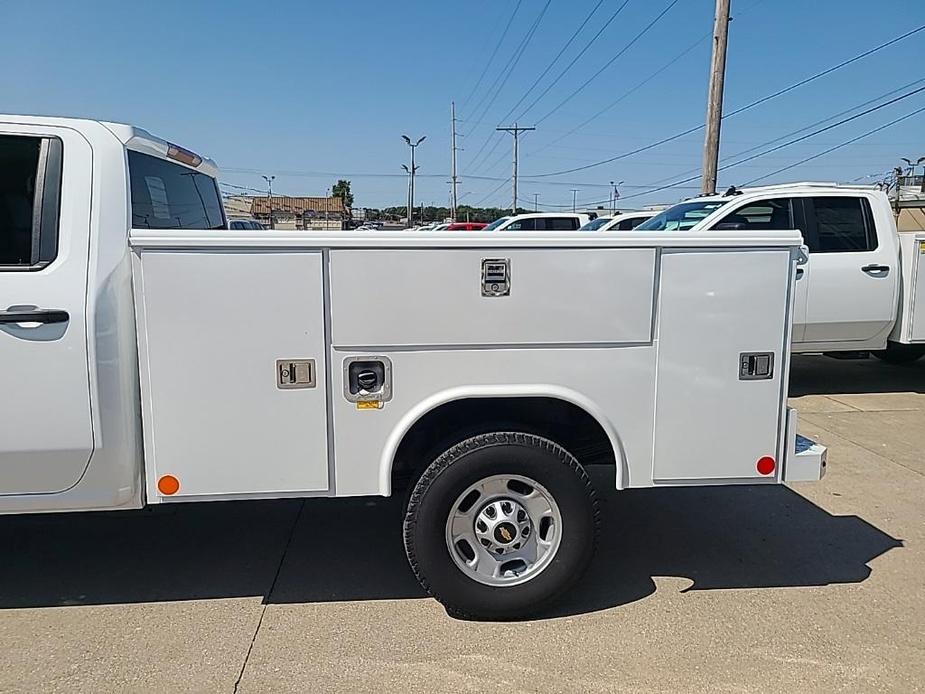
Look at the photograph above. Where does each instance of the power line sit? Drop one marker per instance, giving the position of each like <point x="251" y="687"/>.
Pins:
<point x="493" y="54"/>
<point x="840" y="145"/>
<point x="679" y="183"/>
<point x="644" y="82"/>
<point x="627" y="93"/>
<point x="575" y="59"/>
<point x="554" y="60"/>
<point x="806" y="127"/>
<point x="746" y="107"/>
<point x="506" y="71"/>
<point x="610" y="62"/>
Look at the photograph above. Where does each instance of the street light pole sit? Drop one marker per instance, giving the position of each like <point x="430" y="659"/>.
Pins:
<point x="574" y="196"/>
<point x="269" y="180"/>
<point x="413" y="146"/>
<point x="535" y="203"/>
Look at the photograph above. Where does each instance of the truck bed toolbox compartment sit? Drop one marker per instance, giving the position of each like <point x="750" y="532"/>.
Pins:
<point x="435" y="296"/>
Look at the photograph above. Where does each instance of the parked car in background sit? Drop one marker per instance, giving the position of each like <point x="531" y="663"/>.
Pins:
<point x="244" y="223"/>
<point x="623" y="221"/>
<point x="544" y="221"/>
<point x="466" y="226"/>
<point x="858" y="291"/>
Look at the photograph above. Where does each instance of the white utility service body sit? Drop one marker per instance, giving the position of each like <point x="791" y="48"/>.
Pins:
<point x="145" y="364"/>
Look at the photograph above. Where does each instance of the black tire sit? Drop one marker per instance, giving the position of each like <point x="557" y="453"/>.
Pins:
<point x="475" y="459"/>
<point x="898" y="354"/>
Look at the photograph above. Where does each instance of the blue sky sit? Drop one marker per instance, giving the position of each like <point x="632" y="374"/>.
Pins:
<point x="309" y="91"/>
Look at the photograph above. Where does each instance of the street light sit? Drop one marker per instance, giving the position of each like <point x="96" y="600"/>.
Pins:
<point x="535" y="203"/>
<point x="269" y="180"/>
<point x="614" y="194"/>
<point x="411" y="172"/>
<point x="912" y="166"/>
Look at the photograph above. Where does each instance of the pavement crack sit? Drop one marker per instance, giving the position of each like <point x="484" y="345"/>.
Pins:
<point x="266" y="601"/>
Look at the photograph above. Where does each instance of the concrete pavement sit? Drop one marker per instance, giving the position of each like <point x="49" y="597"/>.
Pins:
<point x="818" y="587"/>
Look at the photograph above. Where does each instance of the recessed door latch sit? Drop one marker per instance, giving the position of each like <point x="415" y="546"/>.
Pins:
<point x="496" y="276"/>
<point x="295" y="373"/>
<point x="756" y="366"/>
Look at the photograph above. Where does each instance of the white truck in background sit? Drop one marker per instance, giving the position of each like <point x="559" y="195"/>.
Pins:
<point x="150" y="355"/>
<point x="860" y="288"/>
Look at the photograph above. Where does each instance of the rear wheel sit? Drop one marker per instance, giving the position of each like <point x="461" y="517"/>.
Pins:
<point x="896" y="353"/>
<point x="501" y="524"/>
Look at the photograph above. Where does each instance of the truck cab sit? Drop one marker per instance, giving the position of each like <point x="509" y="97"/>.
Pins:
<point x="847" y="294"/>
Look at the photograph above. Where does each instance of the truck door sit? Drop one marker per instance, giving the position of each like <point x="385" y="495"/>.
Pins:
<point x="46" y="436"/>
<point x="775" y="214"/>
<point x="852" y="275"/>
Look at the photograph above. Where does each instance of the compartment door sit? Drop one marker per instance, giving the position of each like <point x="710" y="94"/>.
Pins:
<point x="224" y="412"/>
<point x="712" y="424"/>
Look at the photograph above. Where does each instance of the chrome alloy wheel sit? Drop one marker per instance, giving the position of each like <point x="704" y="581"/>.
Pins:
<point x="504" y="530"/>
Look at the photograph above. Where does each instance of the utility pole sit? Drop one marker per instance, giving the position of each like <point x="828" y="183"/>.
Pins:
<point x="411" y="172"/>
<point x="574" y="195"/>
<point x="454" y="177"/>
<point x="269" y="180"/>
<point x="515" y="130"/>
<point x="715" y="97"/>
<point x="535" y="202"/>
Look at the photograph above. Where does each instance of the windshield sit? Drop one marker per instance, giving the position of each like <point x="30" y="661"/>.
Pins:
<point x="683" y="216"/>
<point x="595" y="224"/>
<point x="495" y="224"/>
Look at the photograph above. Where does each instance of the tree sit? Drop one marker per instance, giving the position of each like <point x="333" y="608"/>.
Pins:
<point x="341" y="189"/>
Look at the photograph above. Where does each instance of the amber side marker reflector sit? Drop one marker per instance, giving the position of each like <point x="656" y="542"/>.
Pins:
<point x="766" y="465"/>
<point x="168" y="485"/>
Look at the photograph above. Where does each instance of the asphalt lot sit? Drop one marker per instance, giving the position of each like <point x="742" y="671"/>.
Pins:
<point x="818" y="587"/>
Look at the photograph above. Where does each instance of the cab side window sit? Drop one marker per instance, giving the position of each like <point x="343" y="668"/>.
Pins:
<point x="30" y="191"/>
<point x="631" y="223"/>
<point x="842" y="224"/>
<point x="762" y="215"/>
<point x="557" y="224"/>
<point x="522" y="225"/>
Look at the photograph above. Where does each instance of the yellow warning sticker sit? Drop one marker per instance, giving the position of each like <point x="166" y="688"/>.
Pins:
<point x="369" y="405"/>
<point x="921" y="246"/>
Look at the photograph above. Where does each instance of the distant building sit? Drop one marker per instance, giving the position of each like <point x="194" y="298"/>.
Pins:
<point x="289" y="212"/>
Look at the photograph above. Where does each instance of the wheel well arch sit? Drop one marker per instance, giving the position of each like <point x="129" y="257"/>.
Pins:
<point x="566" y="417"/>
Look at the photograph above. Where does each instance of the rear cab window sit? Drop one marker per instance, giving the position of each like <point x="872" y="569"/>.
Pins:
<point x="30" y="192"/>
<point x="171" y="196"/>
<point x="840" y="225"/>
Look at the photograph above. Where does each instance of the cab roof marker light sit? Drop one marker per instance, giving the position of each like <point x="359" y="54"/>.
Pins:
<point x="183" y="155"/>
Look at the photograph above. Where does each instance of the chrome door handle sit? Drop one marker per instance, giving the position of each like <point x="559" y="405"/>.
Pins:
<point x="874" y="267"/>
<point x="35" y="315"/>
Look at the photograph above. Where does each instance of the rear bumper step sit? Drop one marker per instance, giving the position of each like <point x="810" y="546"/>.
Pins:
<point x="806" y="459"/>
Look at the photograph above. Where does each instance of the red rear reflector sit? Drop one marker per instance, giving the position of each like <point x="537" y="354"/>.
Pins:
<point x="766" y="465"/>
<point x="184" y="155"/>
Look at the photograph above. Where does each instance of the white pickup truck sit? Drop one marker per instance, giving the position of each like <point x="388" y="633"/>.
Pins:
<point x="150" y="355"/>
<point x="858" y="292"/>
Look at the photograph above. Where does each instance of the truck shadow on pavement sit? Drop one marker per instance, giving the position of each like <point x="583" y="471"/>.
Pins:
<point x="350" y="549"/>
<point x="819" y="375"/>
